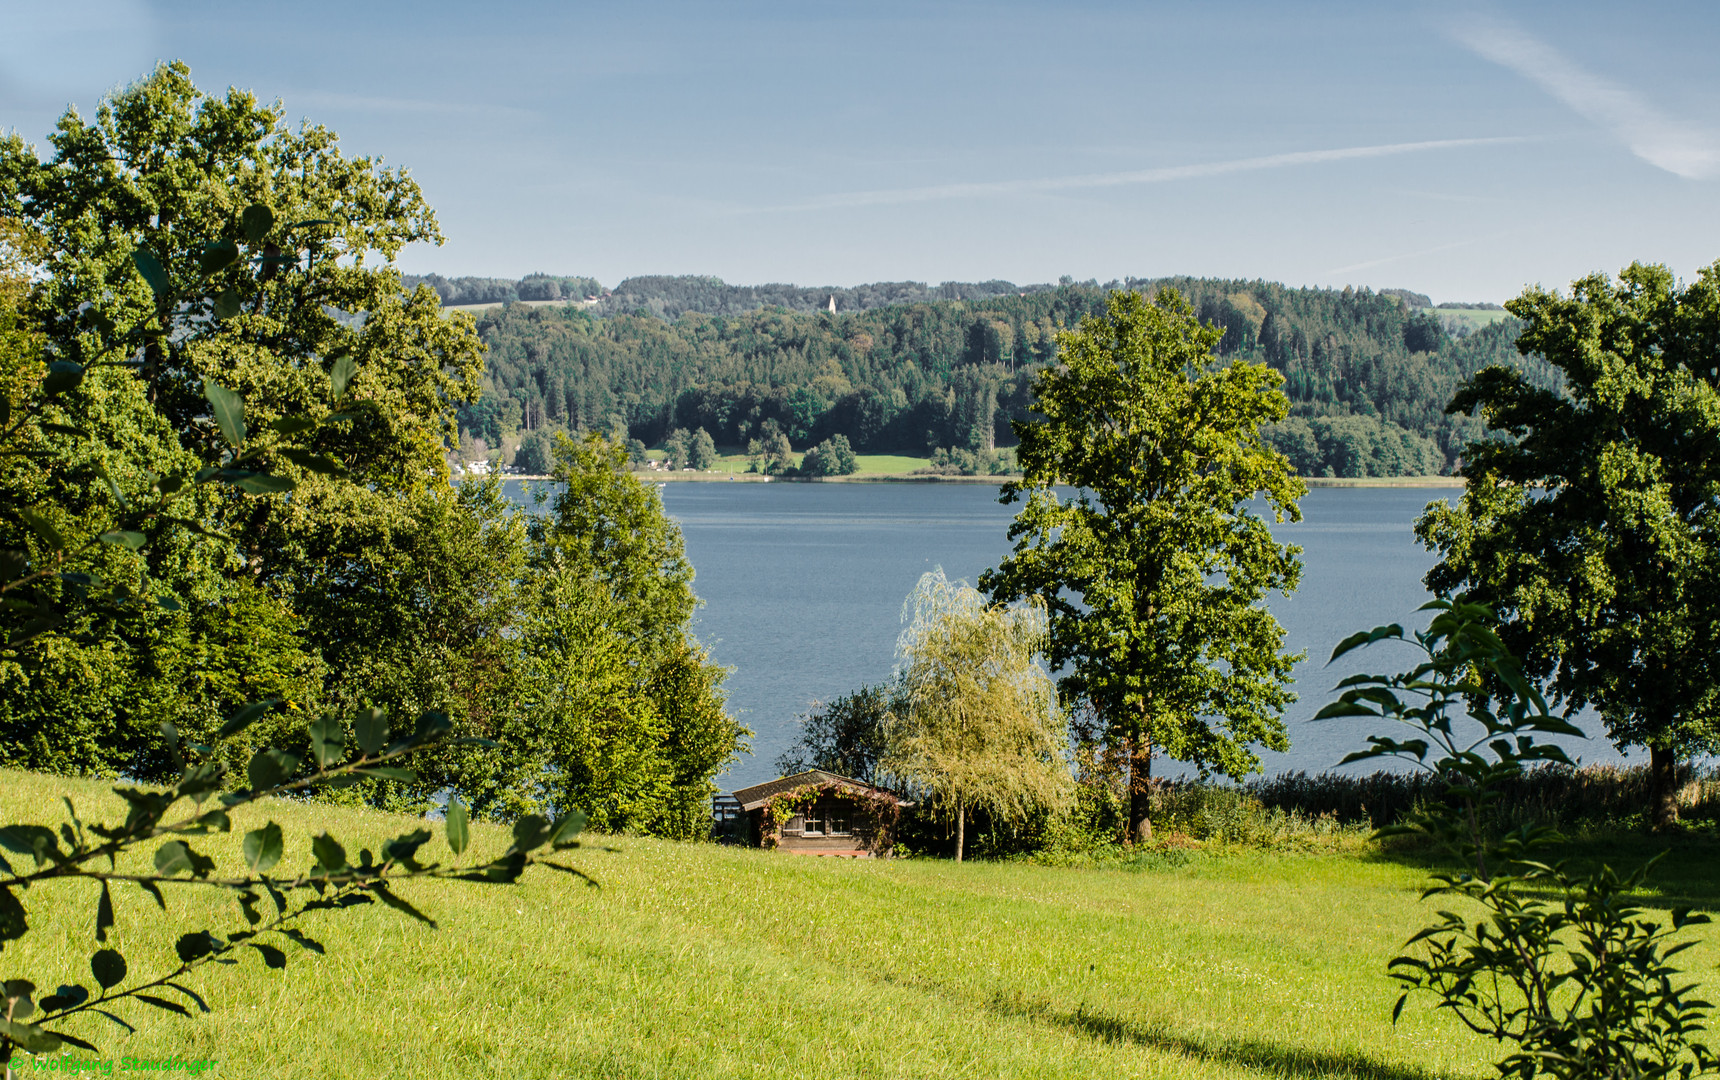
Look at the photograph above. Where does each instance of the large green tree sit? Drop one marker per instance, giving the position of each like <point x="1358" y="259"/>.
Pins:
<point x="242" y="253"/>
<point x="1590" y="517"/>
<point x="1154" y="569"/>
<point x="249" y="254"/>
<point x="623" y="713"/>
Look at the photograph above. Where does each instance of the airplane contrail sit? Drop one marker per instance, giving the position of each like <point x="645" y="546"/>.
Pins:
<point x="1661" y="140"/>
<point x="1165" y="174"/>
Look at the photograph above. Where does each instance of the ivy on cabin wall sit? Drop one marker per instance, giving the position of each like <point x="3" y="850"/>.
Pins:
<point x="874" y="816"/>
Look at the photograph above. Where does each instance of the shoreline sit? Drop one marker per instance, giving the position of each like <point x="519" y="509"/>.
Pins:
<point x="1453" y="482"/>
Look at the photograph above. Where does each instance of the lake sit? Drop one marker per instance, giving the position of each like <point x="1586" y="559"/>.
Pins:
<point x="803" y="586"/>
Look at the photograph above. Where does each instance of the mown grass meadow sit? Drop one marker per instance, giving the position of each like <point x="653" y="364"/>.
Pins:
<point x="705" y="961"/>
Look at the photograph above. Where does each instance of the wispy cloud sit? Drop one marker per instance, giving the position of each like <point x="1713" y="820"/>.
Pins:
<point x="1389" y="259"/>
<point x="1660" y="140"/>
<point x="363" y="103"/>
<point x="896" y="196"/>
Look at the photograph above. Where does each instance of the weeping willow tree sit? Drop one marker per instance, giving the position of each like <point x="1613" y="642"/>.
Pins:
<point x="980" y="726"/>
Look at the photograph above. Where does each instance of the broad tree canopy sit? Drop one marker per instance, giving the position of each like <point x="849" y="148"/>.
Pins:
<point x="1590" y="519"/>
<point x="1155" y="569"/>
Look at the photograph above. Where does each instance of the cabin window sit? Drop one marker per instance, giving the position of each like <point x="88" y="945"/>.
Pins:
<point x="839" y="823"/>
<point x="813" y="824"/>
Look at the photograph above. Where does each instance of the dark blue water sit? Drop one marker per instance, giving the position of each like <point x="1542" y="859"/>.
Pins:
<point x="803" y="586"/>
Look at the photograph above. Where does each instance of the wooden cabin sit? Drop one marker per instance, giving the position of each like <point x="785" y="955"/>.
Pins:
<point x="820" y="813"/>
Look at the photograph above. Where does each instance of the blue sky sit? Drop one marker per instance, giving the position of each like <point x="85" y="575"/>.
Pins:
<point x="1461" y="151"/>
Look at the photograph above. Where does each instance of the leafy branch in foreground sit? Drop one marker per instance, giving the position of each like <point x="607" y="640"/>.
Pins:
<point x="1581" y="984"/>
<point x="53" y="573"/>
<point x="79" y="850"/>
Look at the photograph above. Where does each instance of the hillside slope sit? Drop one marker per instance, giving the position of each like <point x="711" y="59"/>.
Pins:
<point x="699" y="961"/>
<point x="1368" y="374"/>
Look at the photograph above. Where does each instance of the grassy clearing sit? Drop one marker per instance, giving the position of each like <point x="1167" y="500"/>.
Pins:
<point x="1461" y="319"/>
<point x="700" y="961"/>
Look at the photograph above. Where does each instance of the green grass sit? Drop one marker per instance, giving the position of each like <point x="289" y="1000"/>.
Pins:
<point x="1469" y="318"/>
<point x="700" y="961"/>
<point x="733" y="462"/>
<point x="889" y="464"/>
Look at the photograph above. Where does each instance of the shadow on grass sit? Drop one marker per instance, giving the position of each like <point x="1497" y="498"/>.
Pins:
<point x="1687" y="877"/>
<point x="1273" y="1058"/>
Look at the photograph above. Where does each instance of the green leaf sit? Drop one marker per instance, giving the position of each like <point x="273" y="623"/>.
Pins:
<point x="227" y="304"/>
<point x="257" y="220"/>
<point x="113" y="487"/>
<point x="125" y="538"/>
<point x="62" y="376"/>
<point x="432" y="725"/>
<point x="455" y="823"/>
<point x="292" y="425"/>
<point x="328" y="740"/>
<point x="317" y="463"/>
<point x="263" y="484"/>
<point x="245" y="717"/>
<point x="153" y="272"/>
<point x="217" y="255"/>
<point x="229" y="409"/>
<point x="1366" y="637"/>
<point x="108" y="966"/>
<point x="176" y="856"/>
<point x="530" y="832"/>
<point x="330" y="856"/>
<point x="404" y="848"/>
<point x="566" y="828"/>
<point x="18" y="992"/>
<point x="263" y="848"/>
<point x="371" y="727"/>
<point x="505" y="870"/>
<point x="383" y="772"/>
<point x="341" y="375"/>
<point x="43" y="528"/>
<point x="37" y="841"/>
<point x="30" y="1037"/>
<point x="1345" y="708"/>
<point x="270" y="768"/>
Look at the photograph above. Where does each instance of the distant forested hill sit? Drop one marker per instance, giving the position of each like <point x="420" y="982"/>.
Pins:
<point x="910" y="368"/>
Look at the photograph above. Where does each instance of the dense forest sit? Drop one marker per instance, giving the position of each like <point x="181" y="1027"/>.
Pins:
<point x="908" y="368"/>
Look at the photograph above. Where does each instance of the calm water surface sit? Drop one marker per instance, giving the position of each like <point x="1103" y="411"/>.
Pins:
<point x="803" y="586"/>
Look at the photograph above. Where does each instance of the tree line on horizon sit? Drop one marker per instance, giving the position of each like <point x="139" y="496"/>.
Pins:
<point x="1368" y="373"/>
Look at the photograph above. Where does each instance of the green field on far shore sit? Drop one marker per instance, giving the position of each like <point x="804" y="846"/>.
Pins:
<point x="733" y="462"/>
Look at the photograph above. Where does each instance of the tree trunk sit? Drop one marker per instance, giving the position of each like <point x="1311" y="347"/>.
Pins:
<point x="1663" y="787"/>
<point x="1140" y="791"/>
<point x="961" y="829"/>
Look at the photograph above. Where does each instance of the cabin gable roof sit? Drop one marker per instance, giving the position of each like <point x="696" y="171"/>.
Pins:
<point x="752" y="798"/>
